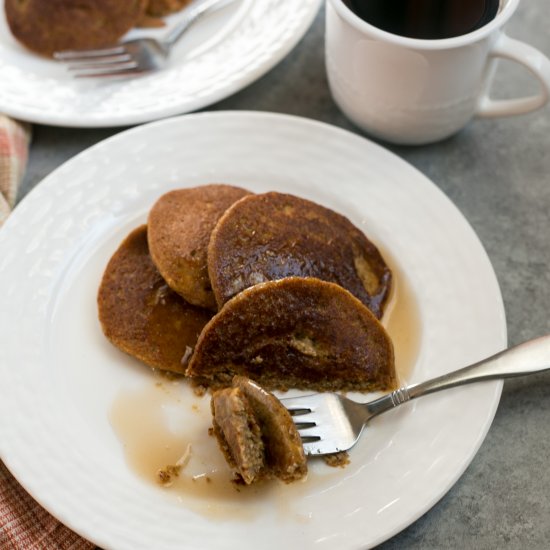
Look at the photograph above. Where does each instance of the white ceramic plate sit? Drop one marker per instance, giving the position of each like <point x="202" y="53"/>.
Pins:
<point x="218" y="56"/>
<point x="60" y="376"/>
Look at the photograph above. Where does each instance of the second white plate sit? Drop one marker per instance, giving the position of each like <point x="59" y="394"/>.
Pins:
<point x="218" y="56"/>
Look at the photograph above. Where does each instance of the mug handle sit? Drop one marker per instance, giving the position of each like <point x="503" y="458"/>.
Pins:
<point x="531" y="58"/>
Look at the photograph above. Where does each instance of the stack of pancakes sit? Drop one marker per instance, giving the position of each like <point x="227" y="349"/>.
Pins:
<point x="47" y="26"/>
<point x="223" y="282"/>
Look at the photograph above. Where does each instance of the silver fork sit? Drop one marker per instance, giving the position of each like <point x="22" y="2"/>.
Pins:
<point x="134" y="57"/>
<point x="329" y="423"/>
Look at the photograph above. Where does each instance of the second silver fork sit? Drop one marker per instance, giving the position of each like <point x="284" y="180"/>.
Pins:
<point x="138" y="56"/>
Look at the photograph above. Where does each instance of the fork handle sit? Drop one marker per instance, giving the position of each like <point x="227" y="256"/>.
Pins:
<point x="528" y="358"/>
<point x="191" y="15"/>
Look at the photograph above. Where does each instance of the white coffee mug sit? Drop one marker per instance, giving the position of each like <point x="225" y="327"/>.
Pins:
<point x="412" y="91"/>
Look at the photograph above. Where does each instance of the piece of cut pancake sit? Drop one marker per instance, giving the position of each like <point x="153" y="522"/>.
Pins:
<point x="238" y="434"/>
<point x="47" y="26"/>
<point x="285" y="456"/>
<point x="141" y="315"/>
<point x="179" y="228"/>
<point x="257" y="434"/>
<point x="274" y="235"/>
<point x="295" y="333"/>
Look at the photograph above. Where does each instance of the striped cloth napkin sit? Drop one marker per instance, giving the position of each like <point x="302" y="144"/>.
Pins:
<point x="24" y="524"/>
<point x="14" y="146"/>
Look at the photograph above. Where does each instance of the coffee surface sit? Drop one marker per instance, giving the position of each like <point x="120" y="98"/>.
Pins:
<point x="426" y="19"/>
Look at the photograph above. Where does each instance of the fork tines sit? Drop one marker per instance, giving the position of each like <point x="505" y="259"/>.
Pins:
<point x="297" y="411"/>
<point x="73" y="55"/>
<point x="301" y="411"/>
<point x="113" y="61"/>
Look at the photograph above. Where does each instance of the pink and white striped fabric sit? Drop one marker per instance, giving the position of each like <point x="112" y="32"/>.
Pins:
<point x="14" y="147"/>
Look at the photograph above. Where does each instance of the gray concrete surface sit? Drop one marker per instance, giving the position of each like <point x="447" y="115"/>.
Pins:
<point x="498" y="174"/>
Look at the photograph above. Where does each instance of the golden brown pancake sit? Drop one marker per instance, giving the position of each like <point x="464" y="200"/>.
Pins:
<point x="257" y="434"/>
<point x="160" y="8"/>
<point x="295" y="333"/>
<point x="46" y="26"/>
<point x="180" y="224"/>
<point x="274" y="235"/>
<point x="141" y="315"/>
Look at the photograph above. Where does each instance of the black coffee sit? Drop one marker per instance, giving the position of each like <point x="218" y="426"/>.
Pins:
<point x="426" y="19"/>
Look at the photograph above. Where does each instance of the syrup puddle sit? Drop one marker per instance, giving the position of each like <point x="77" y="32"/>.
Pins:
<point x="402" y="321"/>
<point x="155" y="425"/>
